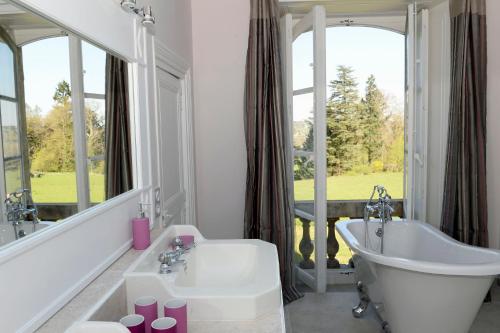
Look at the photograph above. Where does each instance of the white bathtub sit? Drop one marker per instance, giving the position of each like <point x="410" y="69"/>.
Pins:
<point x="224" y="279"/>
<point x="8" y="234"/>
<point x="425" y="281"/>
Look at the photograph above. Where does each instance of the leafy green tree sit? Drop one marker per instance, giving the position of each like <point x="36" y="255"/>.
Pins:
<point x="95" y="137"/>
<point x="63" y="93"/>
<point x="57" y="153"/>
<point x="36" y="130"/>
<point x="50" y="137"/>
<point x="393" y="143"/>
<point x="343" y="122"/>
<point x="373" y="106"/>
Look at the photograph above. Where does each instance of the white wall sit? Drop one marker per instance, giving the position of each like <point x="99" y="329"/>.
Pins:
<point x="173" y="25"/>
<point x="220" y="35"/>
<point x="493" y="122"/>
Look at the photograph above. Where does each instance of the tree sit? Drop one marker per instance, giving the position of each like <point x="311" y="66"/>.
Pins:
<point x="36" y="130"/>
<point x="94" y="126"/>
<point x="373" y="106"/>
<point x="393" y="143"/>
<point x="57" y="153"/>
<point x="50" y="137"/>
<point x="343" y="122"/>
<point x="63" y="93"/>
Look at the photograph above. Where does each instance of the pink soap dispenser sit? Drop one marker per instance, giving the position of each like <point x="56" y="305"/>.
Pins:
<point x="140" y="230"/>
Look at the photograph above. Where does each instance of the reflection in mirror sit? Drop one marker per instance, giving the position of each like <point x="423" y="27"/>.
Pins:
<point x="59" y="96"/>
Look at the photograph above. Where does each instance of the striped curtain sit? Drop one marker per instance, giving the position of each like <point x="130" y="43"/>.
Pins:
<point x="465" y="211"/>
<point x="118" y="175"/>
<point x="268" y="210"/>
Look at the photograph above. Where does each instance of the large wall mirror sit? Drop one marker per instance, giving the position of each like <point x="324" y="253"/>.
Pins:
<point x="65" y="124"/>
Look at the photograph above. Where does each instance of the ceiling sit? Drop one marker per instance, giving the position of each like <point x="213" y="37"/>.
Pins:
<point x="24" y="26"/>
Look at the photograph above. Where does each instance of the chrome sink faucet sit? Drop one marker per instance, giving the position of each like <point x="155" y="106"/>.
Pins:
<point x="170" y="259"/>
<point x="382" y="209"/>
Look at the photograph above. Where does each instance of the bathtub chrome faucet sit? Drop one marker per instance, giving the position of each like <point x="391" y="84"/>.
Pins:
<point x="17" y="211"/>
<point x="382" y="209"/>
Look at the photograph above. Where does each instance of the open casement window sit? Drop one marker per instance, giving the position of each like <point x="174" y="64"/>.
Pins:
<point x="416" y="113"/>
<point x="15" y="168"/>
<point x="315" y="92"/>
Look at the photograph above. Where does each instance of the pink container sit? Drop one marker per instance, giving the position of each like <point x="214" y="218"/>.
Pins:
<point x="140" y="233"/>
<point x="177" y="309"/>
<point x="188" y="240"/>
<point x="148" y="307"/>
<point x="164" y="325"/>
<point x="134" y="323"/>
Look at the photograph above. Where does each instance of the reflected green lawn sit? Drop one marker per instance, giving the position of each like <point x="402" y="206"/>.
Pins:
<point x="60" y="187"/>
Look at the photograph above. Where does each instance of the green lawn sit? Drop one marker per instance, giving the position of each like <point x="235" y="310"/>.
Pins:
<point x="345" y="188"/>
<point x="60" y="187"/>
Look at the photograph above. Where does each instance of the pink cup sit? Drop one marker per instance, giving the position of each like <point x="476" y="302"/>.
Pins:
<point x="147" y="306"/>
<point x="134" y="323"/>
<point x="177" y="309"/>
<point x="164" y="325"/>
<point x="187" y="240"/>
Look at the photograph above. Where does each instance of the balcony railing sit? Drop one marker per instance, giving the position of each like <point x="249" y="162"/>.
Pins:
<point x="336" y="209"/>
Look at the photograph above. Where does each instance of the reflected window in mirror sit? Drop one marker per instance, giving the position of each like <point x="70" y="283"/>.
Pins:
<point x="64" y="108"/>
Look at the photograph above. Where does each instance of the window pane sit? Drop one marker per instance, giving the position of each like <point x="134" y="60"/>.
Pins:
<point x="303" y="119"/>
<point x="94" y="66"/>
<point x="303" y="61"/>
<point x="10" y="129"/>
<point x="50" y="124"/>
<point x="7" y="81"/>
<point x="94" y="109"/>
<point x="13" y="176"/>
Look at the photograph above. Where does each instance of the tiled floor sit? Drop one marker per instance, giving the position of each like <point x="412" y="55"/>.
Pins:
<point x="331" y="313"/>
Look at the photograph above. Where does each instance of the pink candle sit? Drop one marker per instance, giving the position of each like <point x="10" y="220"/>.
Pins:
<point x="187" y="240"/>
<point x="164" y="325"/>
<point x="134" y="323"/>
<point x="148" y="307"/>
<point x="177" y="309"/>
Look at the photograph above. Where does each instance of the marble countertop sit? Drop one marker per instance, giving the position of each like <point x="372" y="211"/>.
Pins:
<point x="86" y="300"/>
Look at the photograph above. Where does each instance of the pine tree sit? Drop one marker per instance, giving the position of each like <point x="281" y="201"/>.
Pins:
<point x="343" y="122"/>
<point x="373" y="106"/>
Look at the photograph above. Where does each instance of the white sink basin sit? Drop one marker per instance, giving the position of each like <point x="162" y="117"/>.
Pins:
<point x="223" y="280"/>
<point x="97" y="327"/>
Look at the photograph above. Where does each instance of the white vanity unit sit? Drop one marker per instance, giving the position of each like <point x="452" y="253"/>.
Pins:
<point x="222" y="280"/>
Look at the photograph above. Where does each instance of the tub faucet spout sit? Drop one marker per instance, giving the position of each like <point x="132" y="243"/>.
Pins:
<point x="382" y="209"/>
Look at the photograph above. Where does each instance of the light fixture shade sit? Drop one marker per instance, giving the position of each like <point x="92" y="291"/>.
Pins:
<point x="129" y="5"/>
<point x="148" y="16"/>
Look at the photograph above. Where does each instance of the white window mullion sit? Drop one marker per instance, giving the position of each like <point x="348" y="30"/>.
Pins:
<point x="78" y="111"/>
<point x="320" y="203"/>
<point x="409" y="114"/>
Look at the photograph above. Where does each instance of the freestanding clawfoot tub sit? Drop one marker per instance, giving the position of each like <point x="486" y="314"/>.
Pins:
<point x="425" y="281"/>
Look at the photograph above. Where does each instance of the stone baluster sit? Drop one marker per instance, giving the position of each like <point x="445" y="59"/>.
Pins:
<point x="332" y="245"/>
<point x="306" y="246"/>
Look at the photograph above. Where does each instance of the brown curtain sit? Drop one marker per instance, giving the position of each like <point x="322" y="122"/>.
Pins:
<point x="117" y="142"/>
<point x="268" y="214"/>
<point x="465" y="211"/>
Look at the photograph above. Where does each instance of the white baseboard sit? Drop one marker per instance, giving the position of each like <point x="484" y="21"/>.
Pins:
<point x="62" y="300"/>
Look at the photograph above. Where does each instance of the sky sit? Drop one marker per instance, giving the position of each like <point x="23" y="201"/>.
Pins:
<point x="367" y="50"/>
<point x="46" y="63"/>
